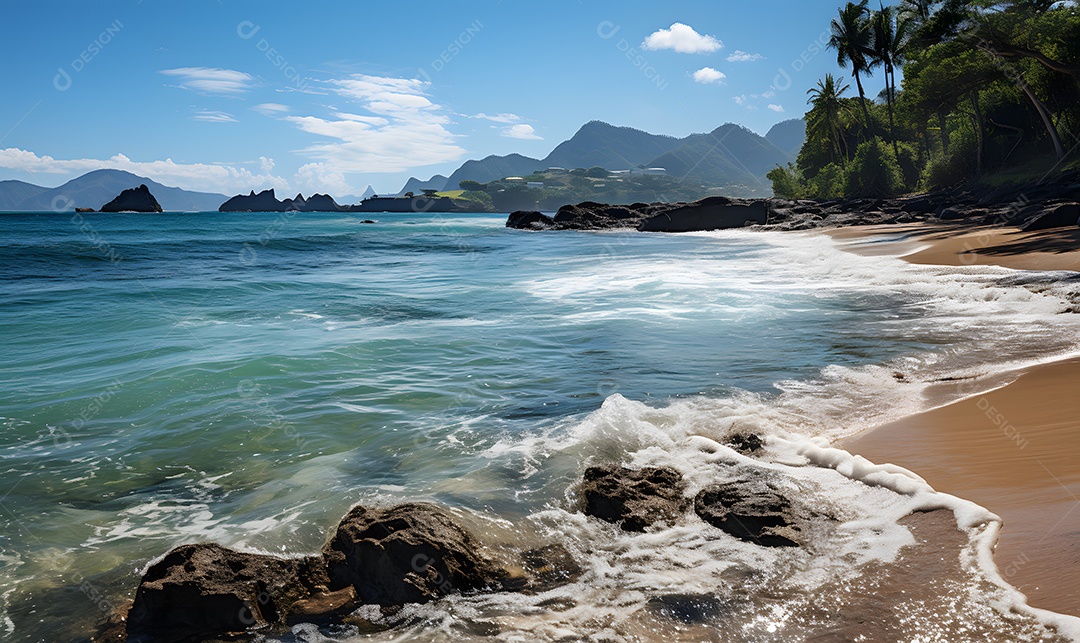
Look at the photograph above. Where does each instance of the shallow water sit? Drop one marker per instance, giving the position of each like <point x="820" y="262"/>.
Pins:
<point x="245" y="378"/>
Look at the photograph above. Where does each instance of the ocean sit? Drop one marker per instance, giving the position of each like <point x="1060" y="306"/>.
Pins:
<point x="245" y="378"/>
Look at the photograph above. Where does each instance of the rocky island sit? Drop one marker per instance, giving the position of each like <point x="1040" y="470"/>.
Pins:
<point x="133" y="200"/>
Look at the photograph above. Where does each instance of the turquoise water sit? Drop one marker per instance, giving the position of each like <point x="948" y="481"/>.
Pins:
<point x="246" y="378"/>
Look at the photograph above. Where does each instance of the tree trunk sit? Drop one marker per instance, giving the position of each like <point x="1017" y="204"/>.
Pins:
<point x="1045" y="114"/>
<point x="979" y="137"/>
<point x="892" y="124"/>
<point x="943" y="126"/>
<point x="862" y="101"/>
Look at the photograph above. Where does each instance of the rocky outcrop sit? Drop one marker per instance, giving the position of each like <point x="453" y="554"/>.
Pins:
<point x="201" y="591"/>
<point x="751" y="508"/>
<point x="713" y="213"/>
<point x="1065" y="215"/>
<point x="1049" y="204"/>
<point x="633" y="498"/>
<point x="264" y="201"/>
<point x="411" y="553"/>
<point x="133" y="200"/>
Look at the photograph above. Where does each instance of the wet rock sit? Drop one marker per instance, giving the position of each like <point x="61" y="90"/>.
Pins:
<point x="747" y="443"/>
<point x="410" y="553"/>
<point x="528" y="220"/>
<point x="713" y="213"/>
<point x="323" y="607"/>
<point x="549" y="566"/>
<point x="1060" y="216"/>
<point x="134" y="200"/>
<point x="206" y="590"/>
<point x="634" y="498"/>
<point x="753" y="509"/>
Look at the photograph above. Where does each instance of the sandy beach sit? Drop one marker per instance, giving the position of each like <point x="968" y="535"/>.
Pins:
<point x="1015" y="450"/>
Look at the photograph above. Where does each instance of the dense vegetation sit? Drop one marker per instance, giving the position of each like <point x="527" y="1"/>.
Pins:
<point x="989" y="88"/>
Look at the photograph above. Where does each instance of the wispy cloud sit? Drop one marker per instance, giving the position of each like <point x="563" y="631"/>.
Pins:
<point x="683" y="39"/>
<point x="401" y="129"/>
<point x="751" y="101"/>
<point x="707" y="75"/>
<point x="214" y="117"/>
<point x="212" y="80"/>
<point x="522" y="131"/>
<point x="776" y="108"/>
<point x="500" y="118"/>
<point x="272" y="109"/>
<point x="740" y="56"/>
<point x="226" y="179"/>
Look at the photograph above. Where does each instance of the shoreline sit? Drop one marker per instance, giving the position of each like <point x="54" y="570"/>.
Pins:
<point x="1015" y="449"/>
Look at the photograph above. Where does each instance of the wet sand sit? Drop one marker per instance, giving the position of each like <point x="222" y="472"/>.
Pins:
<point x="1015" y="450"/>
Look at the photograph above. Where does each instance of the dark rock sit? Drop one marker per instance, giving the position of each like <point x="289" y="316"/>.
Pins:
<point x="528" y="220"/>
<point x="955" y="212"/>
<point x="713" y="213"/>
<point x="264" y="201"/>
<point x="367" y="221"/>
<point x="134" y="200"/>
<point x="751" y="509"/>
<point x="203" y="591"/>
<point x="635" y="498"/>
<point x="745" y="443"/>
<point x="321" y="203"/>
<point x="1064" y="215"/>
<point x="549" y="566"/>
<point x="85" y="210"/>
<point x="411" y="553"/>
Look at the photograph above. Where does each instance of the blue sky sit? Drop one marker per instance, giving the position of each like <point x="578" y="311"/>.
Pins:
<point x="330" y="97"/>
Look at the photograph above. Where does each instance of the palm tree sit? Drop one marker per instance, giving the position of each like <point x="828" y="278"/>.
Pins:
<point x="827" y="111"/>
<point x="888" y="46"/>
<point x="851" y="38"/>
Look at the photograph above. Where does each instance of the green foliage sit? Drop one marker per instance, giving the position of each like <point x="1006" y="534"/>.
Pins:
<point x="480" y="197"/>
<point x="786" y="181"/>
<point x="828" y="183"/>
<point x="597" y="173"/>
<point x="471" y="186"/>
<point x="874" y="172"/>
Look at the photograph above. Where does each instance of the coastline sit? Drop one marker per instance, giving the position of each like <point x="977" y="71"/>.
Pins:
<point x="1013" y="450"/>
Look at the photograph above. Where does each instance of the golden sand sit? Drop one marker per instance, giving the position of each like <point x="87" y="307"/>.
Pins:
<point x="1015" y="450"/>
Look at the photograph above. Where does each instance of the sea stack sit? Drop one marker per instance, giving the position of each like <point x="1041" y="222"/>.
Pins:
<point x="133" y="200"/>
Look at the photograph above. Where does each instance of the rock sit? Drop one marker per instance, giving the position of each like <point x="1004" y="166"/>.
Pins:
<point x="321" y="203"/>
<point x="751" y="509"/>
<point x="745" y="443"/>
<point x="85" y="210"/>
<point x="713" y="213"/>
<point x="635" y="498"/>
<point x="688" y="608"/>
<point x="528" y="220"/>
<point x="264" y="201"/>
<point x="1060" y="216"/>
<point x="410" y="553"/>
<point x="134" y="200"/>
<point x="367" y="221"/>
<point x="323" y="608"/>
<point x="549" y="566"/>
<point x="204" y="591"/>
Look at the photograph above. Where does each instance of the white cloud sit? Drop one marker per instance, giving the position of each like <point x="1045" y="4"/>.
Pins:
<point x="522" y="131"/>
<point x="272" y="109"/>
<point x="191" y="176"/>
<point x="707" y="75"/>
<point x="740" y="56"/>
<point x="501" y="118"/>
<point x="315" y="178"/>
<point x="683" y="39"/>
<point x="211" y="80"/>
<point x="266" y="165"/>
<point x="776" y="108"/>
<point x="214" y="117"/>
<point x="751" y="101"/>
<point x="402" y="129"/>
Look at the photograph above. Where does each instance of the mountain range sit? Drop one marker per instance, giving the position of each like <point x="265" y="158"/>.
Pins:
<point x="729" y="157"/>
<point x="96" y="188"/>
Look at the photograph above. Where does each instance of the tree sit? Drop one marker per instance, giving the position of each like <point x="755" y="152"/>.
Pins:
<point x="823" y="119"/>
<point x="851" y="38"/>
<point x="471" y="186"/>
<point x="887" y="51"/>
